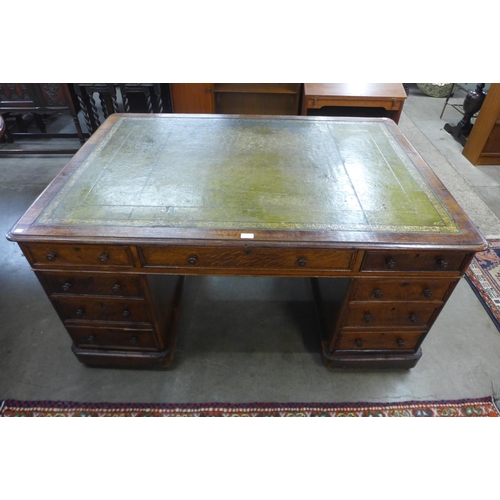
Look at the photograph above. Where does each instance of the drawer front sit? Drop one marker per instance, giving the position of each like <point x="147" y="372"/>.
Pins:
<point x="378" y="341"/>
<point x="249" y="258"/>
<point x="98" y="284"/>
<point x="94" y="309"/>
<point x="382" y="290"/>
<point x="55" y="255"/>
<point x="90" y="337"/>
<point x="414" y="261"/>
<point x="373" y="315"/>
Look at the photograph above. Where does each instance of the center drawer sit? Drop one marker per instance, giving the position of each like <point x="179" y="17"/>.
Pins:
<point x="247" y="257"/>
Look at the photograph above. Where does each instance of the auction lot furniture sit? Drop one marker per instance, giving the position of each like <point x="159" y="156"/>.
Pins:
<point x="41" y="99"/>
<point x="236" y="98"/>
<point x="483" y="144"/>
<point x="363" y="99"/>
<point x="151" y="199"/>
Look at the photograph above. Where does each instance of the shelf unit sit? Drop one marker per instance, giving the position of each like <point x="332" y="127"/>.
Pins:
<point x="236" y="98"/>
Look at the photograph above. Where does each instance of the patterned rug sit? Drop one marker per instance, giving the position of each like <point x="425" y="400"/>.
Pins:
<point x="484" y="277"/>
<point x="482" y="407"/>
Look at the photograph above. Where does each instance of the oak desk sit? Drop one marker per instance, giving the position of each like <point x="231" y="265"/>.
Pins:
<point x="387" y="96"/>
<point x="150" y="199"/>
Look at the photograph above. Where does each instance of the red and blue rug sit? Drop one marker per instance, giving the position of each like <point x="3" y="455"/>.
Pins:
<point x="484" y="277"/>
<point x="481" y="407"/>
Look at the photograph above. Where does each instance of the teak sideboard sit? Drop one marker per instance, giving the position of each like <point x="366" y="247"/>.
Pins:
<point x="150" y="200"/>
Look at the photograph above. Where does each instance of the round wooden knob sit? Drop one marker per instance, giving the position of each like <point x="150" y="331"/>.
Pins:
<point x="51" y="256"/>
<point x="126" y="314"/>
<point x="391" y="263"/>
<point x="104" y="257"/>
<point x="358" y="342"/>
<point x="377" y="293"/>
<point x="67" y="286"/>
<point x="79" y="313"/>
<point x="192" y="259"/>
<point x="427" y="293"/>
<point x="116" y="288"/>
<point x="302" y="261"/>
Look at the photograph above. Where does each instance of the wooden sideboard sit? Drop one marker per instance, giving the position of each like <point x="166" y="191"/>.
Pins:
<point x="236" y="98"/>
<point x="483" y="144"/>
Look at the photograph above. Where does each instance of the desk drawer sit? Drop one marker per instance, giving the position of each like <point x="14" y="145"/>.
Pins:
<point x="247" y="257"/>
<point x="378" y="341"/>
<point x="403" y="289"/>
<point x="97" y="284"/>
<point x="95" y="309"/>
<point x="55" y="255"/>
<point x="415" y="261"/>
<point x="84" y="336"/>
<point x="396" y="314"/>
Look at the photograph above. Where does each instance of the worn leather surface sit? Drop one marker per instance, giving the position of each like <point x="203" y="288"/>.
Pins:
<point x="249" y="173"/>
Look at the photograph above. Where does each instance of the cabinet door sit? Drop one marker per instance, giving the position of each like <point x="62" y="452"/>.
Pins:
<point x="192" y="97"/>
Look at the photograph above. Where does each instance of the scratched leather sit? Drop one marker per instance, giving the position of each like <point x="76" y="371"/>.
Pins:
<point x="248" y="173"/>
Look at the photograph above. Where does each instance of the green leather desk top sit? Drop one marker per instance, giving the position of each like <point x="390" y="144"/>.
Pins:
<point x="250" y="174"/>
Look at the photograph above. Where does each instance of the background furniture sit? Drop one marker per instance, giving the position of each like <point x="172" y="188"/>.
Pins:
<point x="483" y="143"/>
<point x="236" y="98"/>
<point x="180" y="196"/>
<point x="120" y="97"/>
<point x="354" y="99"/>
<point x="17" y="100"/>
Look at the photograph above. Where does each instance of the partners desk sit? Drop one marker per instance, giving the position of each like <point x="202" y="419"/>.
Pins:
<point x="151" y="199"/>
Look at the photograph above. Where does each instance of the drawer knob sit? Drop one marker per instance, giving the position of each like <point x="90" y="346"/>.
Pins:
<point x="391" y="263"/>
<point x="91" y="339"/>
<point x="413" y="318"/>
<point x="377" y="293"/>
<point x="126" y="314"/>
<point x="192" y="259"/>
<point x="368" y="318"/>
<point x="67" y="286"/>
<point x="400" y="342"/>
<point x="134" y="340"/>
<point x="442" y="264"/>
<point x="302" y="261"/>
<point x="104" y="257"/>
<point x="116" y="288"/>
<point x="51" y="256"/>
<point x="427" y="293"/>
<point x="358" y="342"/>
<point x="79" y="313"/>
